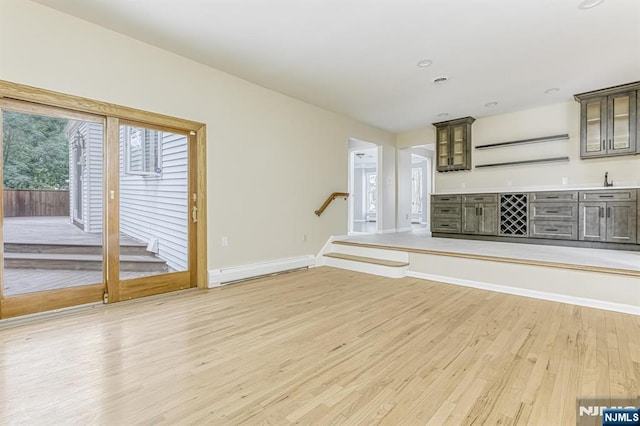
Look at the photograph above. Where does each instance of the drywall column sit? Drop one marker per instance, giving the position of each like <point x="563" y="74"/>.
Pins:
<point x="403" y="220"/>
<point x="387" y="189"/>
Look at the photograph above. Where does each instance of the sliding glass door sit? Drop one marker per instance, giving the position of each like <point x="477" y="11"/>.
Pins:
<point x="156" y="209"/>
<point x="93" y="209"/>
<point x="52" y="208"/>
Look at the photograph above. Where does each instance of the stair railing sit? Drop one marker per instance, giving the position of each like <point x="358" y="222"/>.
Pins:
<point x="329" y="200"/>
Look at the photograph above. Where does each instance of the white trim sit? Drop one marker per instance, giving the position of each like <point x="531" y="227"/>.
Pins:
<point x="404" y="229"/>
<point x="375" y="253"/>
<point x="218" y="277"/>
<point x="367" y="268"/>
<point x="387" y="231"/>
<point x="580" y="301"/>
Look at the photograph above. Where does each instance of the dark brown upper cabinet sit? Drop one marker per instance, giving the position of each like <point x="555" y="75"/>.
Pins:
<point x="453" y="144"/>
<point x="609" y="121"/>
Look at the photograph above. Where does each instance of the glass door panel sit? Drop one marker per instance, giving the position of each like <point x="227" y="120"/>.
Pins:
<point x="458" y="145"/>
<point x="621" y="123"/>
<point x="154" y="210"/>
<point x="594" y="126"/>
<point x="52" y="210"/>
<point x="443" y="147"/>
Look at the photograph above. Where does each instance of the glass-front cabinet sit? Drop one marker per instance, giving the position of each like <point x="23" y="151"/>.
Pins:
<point x="453" y="144"/>
<point x="609" y="121"/>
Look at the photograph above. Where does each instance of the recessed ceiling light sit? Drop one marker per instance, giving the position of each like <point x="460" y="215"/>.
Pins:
<point x="443" y="114"/>
<point x="441" y="79"/>
<point x="424" y="63"/>
<point x="490" y="104"/>
<point x="588" y="4"/>
<point x="552" y="90"/>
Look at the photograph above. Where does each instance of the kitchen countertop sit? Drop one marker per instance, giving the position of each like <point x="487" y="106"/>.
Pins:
<point x="510" y="190"/>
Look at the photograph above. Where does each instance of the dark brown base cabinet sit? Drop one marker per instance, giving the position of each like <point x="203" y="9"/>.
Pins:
<point x="606" y="218"/>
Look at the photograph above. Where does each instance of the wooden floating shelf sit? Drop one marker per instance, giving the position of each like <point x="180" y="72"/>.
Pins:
<point x="516" y="163"/>
<point x="525" y="141"/>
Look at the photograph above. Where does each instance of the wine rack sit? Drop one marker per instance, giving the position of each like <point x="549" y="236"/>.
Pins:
<point x="513" y="215"/>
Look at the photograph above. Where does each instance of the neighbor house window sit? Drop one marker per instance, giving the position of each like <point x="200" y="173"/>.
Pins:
<point x="142" y="151"/>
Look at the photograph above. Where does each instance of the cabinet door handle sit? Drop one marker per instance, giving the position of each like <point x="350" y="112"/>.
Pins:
<point x="551" y="230"/>
<point x="601" y="211"/>
<point x="553" y="211"/>
<point x="608" y="212"/>
<point x="552" y="197"/>
<point x="605" y="196"/>
<point x="603" y="145"/>
<point x="610" y="145"/>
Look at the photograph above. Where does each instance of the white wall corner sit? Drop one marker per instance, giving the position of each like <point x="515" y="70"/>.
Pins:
<point x="554" y="297"/>
<point x="387" y="231"/>
<point x="218" y="277"/>
<point x="326" y="248"/>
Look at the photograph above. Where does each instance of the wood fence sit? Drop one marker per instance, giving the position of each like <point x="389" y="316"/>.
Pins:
<point x="35" y="202"/>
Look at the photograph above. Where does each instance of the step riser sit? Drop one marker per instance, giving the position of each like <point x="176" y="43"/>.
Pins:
<point x="62" y="249"/>
<point x="83" y="265"/>
<point x="398" y="256"/>
<point x="367" y="268"/>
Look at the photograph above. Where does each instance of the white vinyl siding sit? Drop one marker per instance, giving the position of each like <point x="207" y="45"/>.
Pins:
<point x="157" y="206"/>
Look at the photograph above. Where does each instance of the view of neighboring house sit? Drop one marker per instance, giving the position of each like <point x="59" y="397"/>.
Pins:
<point x="153" y="187"/>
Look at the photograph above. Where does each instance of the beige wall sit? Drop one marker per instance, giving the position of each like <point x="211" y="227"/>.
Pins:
<point x="544" y="121"/>
<point x="272" y="160"/>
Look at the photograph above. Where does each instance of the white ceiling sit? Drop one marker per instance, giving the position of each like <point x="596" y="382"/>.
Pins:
<point x="358" y="57"/>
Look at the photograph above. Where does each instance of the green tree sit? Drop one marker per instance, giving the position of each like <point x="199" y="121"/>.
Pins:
<point x="35" y="152"/>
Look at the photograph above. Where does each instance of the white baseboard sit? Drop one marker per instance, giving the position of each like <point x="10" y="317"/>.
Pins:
<point x="387" y="231"/>
<point x="404" y="229"/>
<point x="218" y="277"/>
<point x="572" y="300"/>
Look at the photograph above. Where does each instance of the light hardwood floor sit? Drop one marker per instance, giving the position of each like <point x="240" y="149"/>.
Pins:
<point x="323" y="346"/>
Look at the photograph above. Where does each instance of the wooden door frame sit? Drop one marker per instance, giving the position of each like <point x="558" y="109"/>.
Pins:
<point x="117" y="288"/>
<point x="37" y="98"/>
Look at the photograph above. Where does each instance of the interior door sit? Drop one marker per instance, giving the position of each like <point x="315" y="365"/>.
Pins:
<point x="47" y="259"/>
<point x="152" y="206"/>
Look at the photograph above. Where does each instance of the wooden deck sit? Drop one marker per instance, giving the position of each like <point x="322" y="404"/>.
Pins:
<point x="22" y="281"/>
<point x="53" y="230"/>
<point x="32" y="236"/>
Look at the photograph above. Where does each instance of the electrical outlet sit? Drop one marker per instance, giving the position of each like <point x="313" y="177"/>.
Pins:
<point x="224" y="241"/>
<point x="565" y="180"/>
<point x="304" y="237"/>
<point x="406" y="216"/>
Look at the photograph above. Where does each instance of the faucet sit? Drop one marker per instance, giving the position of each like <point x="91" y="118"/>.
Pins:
<point x="606" y="180"/>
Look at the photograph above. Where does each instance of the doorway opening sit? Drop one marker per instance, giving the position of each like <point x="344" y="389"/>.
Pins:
<point x="415" y="184"/>
<point x="364" y="188"/>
